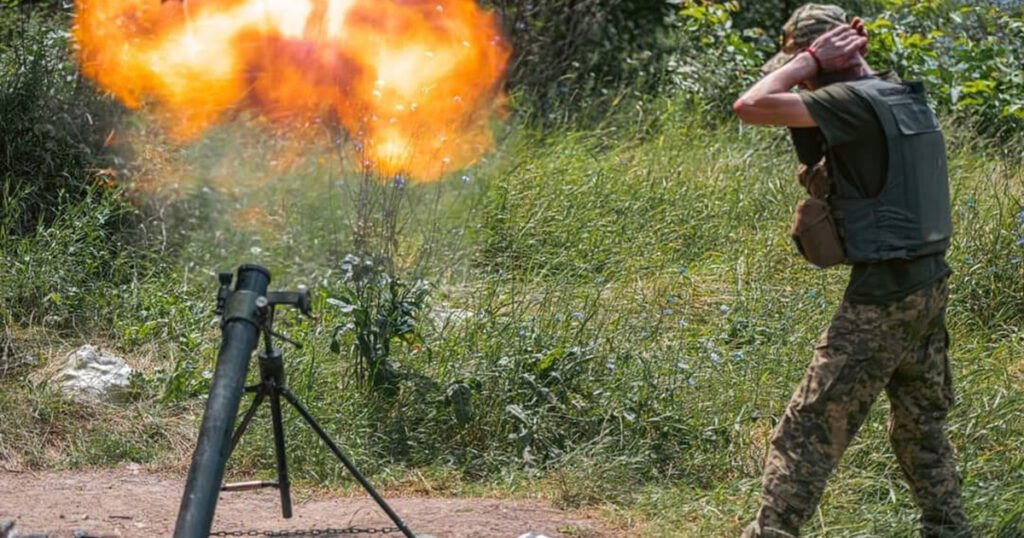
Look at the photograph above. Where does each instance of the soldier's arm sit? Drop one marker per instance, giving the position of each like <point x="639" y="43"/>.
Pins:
<point x="771" y="102"/>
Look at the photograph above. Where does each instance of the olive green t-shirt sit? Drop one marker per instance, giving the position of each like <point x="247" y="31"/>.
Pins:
<point x="852" y="131"/>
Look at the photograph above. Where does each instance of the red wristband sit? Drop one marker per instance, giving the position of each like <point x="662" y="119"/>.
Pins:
<point x="817" y="61"/>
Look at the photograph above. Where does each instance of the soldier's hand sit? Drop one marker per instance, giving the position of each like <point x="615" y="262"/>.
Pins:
<point x="858" y="24"/>
<point x="839" y="48"/>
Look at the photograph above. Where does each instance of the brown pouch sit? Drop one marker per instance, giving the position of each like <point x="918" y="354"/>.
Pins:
<point x="815" y="234"/>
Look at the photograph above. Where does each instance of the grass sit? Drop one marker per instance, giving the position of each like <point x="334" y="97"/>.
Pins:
<point x="621" y="306"/>
<point x="615" y="320"/>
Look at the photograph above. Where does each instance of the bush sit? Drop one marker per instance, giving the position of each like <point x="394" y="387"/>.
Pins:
<point x="969" y="54"/>
<point x="54" y="124"/>
<point x="568" y="52"/>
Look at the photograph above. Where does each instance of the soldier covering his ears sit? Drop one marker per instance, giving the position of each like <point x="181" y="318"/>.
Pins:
<point x="878" y="146"/>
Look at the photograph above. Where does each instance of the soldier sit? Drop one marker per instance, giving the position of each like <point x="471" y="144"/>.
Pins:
<point x="888" y="196"/>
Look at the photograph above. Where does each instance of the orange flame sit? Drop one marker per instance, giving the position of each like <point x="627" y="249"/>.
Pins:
<point x="415" y="82"/>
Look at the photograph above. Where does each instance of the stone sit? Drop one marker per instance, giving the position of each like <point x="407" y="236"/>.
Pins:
<point x="91" y="376"/>
<point x="443" y="315"/>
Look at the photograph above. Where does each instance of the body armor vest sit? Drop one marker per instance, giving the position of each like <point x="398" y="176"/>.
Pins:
<point x="911" y="215"/>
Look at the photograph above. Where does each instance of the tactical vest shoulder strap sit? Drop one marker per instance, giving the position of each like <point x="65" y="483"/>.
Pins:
<point x="902" y="110"/>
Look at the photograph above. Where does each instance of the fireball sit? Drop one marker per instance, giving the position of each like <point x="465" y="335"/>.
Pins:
<point x="414" y="83"/>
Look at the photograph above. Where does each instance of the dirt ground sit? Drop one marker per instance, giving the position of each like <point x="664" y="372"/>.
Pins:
<point x="134" y="503"/>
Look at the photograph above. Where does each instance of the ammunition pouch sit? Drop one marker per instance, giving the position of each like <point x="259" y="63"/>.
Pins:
<point x="814" y="229"/>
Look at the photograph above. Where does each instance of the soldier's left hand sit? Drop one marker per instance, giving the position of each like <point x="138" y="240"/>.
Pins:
<point x="839" y="48"/>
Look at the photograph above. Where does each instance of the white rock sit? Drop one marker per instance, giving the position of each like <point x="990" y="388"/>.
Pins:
<point x="91" y="376"/>
<point x="443" y="315"/>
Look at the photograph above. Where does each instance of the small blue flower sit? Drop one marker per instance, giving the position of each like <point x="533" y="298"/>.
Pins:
<point x="971" y="203"/>
<point x="671" y="300"/>
<point x="578" y="316"/>
<point x="399" y="181"/>
<point x="812" y="294"/>
<point x="645" y="335"/>
<point x="969" y="260"/>
<point x="682" y="365"/>
<point x="681" y="322"/>
<point x="725" y="309"/>
<point x="738" y="355"/>
<point x="610" y="365"/>
<point x="599" y="280"/>
<point x="715" y="358"/>
<point x="466" y="179"/>
<point x="691" y="382"/>
<point x="668" y="311"/>
<point x="1020" y="242"/>
<point x="682" y="270"/>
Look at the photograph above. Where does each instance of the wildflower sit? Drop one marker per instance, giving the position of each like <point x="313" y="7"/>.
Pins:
<point x="610" y="365"/>
<point x="681" y="322"/>
<point x="668" y="311"/>
<point x="671" y="300"/>
<point x="682" y="270"/>
<point x="738" y="355"/>
<point x="725" y="309"/>
<point x="599" y="280"/>
<point x="969" y="260"/>
<point x="466" y="179"/>
<point x="682" y="365"/>
<point x="578" y="316"/>
<point x="1020" y="242"/>
<point x="812" y="294"/>
<point x="971" y="203"/>
<point x="715" y="358"/>
<point x="691" y="382"/>
<point x="399" y="181"/>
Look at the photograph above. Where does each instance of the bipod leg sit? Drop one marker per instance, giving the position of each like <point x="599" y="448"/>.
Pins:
<point x="249" y="413"/>
<point x="282" y="462"/>
<point x="348" y="464"/>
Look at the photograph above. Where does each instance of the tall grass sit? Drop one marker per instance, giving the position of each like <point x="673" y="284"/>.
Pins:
<point x="617" y="317"/>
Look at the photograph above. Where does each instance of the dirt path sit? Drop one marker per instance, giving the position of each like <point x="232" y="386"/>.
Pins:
<point x="127" y="503"/>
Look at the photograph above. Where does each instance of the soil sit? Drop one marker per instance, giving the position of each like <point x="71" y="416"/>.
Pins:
<point x="135" y="503"/>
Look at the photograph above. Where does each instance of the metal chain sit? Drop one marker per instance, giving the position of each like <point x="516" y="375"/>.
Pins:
<point x="311" y="532"/>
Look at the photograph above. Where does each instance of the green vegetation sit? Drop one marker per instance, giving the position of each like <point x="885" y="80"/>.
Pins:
<point x="605" y="312"/>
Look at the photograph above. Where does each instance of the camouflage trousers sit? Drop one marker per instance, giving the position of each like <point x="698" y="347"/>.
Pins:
<point x="899" y="347"/>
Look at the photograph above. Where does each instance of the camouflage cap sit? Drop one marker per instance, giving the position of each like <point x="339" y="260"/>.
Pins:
<point x="807" y="23"/>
